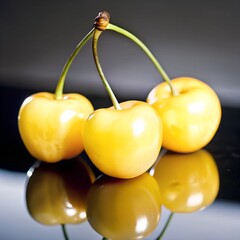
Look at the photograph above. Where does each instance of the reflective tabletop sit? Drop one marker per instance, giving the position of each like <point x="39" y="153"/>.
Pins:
<point x="183" y="196"/>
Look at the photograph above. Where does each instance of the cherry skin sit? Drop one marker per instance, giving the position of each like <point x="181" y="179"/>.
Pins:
<point x="190" y="118"/>
<point x="51" y="128"/>
<point x="123" y="143"/>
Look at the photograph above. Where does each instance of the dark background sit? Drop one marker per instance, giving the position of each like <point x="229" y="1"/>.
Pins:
<point x="189" y="38"/>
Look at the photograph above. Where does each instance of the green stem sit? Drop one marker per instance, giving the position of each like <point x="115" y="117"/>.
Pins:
<point x="61" y="81"/>
<point x="64" y="232"/>
<point x="96" y="35"/>
<point x="146" y="50"/>
<point x="160" y="237"/>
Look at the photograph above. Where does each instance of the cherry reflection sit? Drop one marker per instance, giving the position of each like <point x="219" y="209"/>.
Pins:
<point x="124" y="208"/>
<point x="56" y="193"/>
<point x="188" y="182"/>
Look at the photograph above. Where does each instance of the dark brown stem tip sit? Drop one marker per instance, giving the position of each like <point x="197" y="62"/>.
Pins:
<point x="102" y="20"/>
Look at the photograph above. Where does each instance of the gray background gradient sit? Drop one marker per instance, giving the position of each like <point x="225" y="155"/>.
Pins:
<point x="189" y="38"/>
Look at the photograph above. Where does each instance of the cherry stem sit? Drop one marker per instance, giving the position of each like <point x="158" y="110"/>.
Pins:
<point x="146" y="50"/>
<point x="160" y="237"/>
<point x="96" y="35"/>
<point x="61" y="81"/>
<point x="64" y="232"/>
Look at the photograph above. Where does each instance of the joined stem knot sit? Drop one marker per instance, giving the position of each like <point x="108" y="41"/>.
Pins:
<point x="102" y="20"/>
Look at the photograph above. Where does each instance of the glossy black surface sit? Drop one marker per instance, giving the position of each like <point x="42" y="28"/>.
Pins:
<point x="219" y="221"/>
